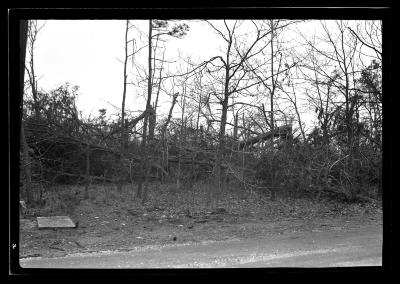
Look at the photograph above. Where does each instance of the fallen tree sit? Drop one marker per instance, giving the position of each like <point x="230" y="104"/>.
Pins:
<point x="282" y="132"/>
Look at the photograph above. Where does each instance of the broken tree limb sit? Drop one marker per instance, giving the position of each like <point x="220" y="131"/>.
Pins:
<point x="283" y="131"/>
<point x="131" y="124"/>
<point x="164" y="129"/>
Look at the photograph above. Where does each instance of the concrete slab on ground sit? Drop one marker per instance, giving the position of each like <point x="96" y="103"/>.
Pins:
<point x="55" y="222"/>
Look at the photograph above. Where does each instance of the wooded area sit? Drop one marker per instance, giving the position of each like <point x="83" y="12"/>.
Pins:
<point x="240" y="119"/>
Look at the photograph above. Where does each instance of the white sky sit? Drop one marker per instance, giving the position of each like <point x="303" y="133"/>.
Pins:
<point x="86" y="53"/>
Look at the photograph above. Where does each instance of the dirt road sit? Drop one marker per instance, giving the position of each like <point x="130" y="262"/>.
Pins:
<point x="318" y="248"/>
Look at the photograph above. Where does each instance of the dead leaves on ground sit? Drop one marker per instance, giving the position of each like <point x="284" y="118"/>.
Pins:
<point x="119" y="219"/>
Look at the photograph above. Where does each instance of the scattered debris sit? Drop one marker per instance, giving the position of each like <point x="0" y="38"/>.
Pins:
<point x="161" y="225"/>
<point x="57" y="248"/>
<point x="30" y="255"/>
<point x="78" y="244"/>
<point x="56" y="242"/>
<point x="219" y="210"/>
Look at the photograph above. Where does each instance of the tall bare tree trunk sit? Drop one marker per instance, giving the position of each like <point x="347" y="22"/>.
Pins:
<point x="163" y="138"/>
<point x="181" y="138"/>
<point x="141" y="193"/>
<point x="23" y="29"/>
<point x="349" y="128"/>
<point x="220" y="173"/>
<point x="123" y="130"/>
<point x="31" y="37"/>
<point x="152" y="123"/>
<point x="32" y="34"/>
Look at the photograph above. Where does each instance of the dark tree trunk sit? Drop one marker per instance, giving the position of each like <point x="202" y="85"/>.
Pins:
<point x="152" y="123"/>
<point x="27" y="162"/>
<point x="123" y="130"/>
<point x="220" y="173"/>
<point x="87" y="173"/>
<point x="235" y="127"/>
<point x="163" y="138"/>
<point x="27" y="168"/>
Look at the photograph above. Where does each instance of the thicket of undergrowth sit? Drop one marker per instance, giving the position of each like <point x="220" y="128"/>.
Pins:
<point x="67" y="150"/>
<point x="321" y="170"/>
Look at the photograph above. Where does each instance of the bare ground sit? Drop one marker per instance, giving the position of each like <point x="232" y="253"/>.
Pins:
<point x="112" y="221"/>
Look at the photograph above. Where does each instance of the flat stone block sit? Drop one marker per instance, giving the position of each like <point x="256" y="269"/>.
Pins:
<point x="55" y="222"/>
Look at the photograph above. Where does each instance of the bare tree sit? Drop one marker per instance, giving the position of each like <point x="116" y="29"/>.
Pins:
<point x="123" y="128"/>
<point x="245" y="73"/>
<point x="163" y="139"/>
<point x="29" y="31"/>
<point x="161" y="28"/>
<point x="369" y="33"/>
<point x="145" y="164"/>
<point x="322" y="92"/>
<point x="336" y="65"/>
<point x="23" y="30"/>
<point x="233" y="67"/>
<point x="182" y="135"/>
<point x="33" y="30"/>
